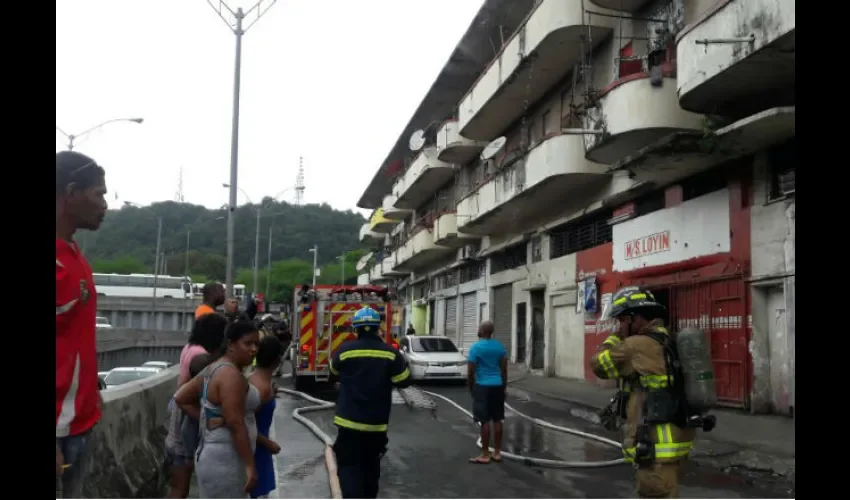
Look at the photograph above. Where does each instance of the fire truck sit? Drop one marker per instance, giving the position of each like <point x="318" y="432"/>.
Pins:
<point x="322" y="322"/>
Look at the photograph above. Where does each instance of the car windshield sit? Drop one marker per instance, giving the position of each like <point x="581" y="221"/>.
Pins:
<point x="433" y="345"/>
<point x="122" y="377"/>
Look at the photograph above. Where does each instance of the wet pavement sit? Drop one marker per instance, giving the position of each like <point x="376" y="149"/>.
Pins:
<point x="428" y="453"/>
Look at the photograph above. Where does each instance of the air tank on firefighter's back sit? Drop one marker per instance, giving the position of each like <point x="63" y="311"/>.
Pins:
<point x="694" y="353"/>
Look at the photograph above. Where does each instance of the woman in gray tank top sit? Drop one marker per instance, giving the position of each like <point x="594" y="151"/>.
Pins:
<point x="224" y="404"/>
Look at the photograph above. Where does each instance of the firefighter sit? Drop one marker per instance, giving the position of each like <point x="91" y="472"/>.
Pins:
<point x="634" y="356"/>
<point x="367" y="369"/>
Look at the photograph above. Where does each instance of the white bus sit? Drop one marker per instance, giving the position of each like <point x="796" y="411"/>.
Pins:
<point x="238" y="291"/>
<point x="141" y="285"/>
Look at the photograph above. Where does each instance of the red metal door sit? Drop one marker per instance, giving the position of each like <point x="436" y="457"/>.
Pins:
<point x="720" y="308"/>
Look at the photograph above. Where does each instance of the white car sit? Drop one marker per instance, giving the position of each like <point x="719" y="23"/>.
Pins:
<point x="162" y="365"/>
<point x="101" y="322"/>
<point x="125" y="374"/>
<point x="433" y="358"/>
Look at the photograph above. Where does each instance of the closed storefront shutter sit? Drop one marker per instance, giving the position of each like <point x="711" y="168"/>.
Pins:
<point x="469" y="323"/>
<point x="451" y="319"/>
<point x="502" y="308"/>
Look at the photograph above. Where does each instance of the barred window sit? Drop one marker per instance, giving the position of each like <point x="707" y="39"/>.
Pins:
<point x="536" y="249"/>
<point x="577" y="236"/>
<point x="509" y="258"/>
<point x="472" y="271"/>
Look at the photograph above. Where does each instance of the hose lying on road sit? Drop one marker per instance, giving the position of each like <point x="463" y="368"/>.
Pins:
<point x="540" y="462"/>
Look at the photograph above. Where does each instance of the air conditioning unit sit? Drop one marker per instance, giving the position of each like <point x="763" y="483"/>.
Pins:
<point x="420" y="302"/>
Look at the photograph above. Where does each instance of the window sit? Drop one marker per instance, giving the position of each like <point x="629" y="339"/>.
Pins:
<point x="420" y="344"/>
<point x="704" y="183"/>
<point x="782" y="169"/>
<point x="652" y="202"/>
<point x="536" y="249"/>
<point x="509" y="258"/>
<point x="471" y="271"/>
<point x="577" y="236"/>
<point x="544" y="125"/>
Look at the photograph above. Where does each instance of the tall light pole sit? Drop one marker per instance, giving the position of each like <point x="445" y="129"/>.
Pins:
<point x="342" y="270"/>
<point x="269" y="263"/>
<point x="156" y="257"/>
<point x="72" y="137"/>
<point x="315" y="251"/>
<point x="237" y="28"/>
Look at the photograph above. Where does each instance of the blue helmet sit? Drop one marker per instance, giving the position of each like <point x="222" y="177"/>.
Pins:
<point x="366" y="318"/>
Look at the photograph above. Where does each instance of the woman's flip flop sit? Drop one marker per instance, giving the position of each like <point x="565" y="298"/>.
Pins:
<point x="479" y="460"/>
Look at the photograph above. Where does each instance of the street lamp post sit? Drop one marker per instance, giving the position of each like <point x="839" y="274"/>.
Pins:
<point x="342" y="270"/>
<point x="269" y="263"/>
<point x="73" y="137"/>
<point x="237" y="30"/>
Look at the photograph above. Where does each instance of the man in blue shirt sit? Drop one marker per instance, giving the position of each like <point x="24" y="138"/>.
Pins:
<point x="488" y="381"/>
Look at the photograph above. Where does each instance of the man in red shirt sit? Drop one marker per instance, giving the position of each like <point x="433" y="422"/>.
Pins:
<point x="80" y="204"/>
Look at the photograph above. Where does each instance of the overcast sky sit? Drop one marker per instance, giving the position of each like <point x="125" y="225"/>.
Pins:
<point x="334" y="81"/>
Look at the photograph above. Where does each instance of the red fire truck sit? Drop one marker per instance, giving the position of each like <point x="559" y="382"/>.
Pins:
<point x="322" y="322"/>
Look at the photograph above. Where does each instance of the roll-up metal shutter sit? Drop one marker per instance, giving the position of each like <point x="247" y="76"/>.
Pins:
<point x="469" y="319"/>
<point x="451" y="319"/>
<point x="502" y="315"/>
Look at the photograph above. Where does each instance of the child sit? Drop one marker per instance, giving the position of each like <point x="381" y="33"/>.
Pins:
<point x="189" y="430"/>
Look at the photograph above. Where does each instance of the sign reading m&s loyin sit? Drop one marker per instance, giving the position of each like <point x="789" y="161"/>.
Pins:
<point x="647" y="245"/>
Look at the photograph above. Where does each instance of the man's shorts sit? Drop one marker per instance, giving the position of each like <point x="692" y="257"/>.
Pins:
<point x="488" y="403"/>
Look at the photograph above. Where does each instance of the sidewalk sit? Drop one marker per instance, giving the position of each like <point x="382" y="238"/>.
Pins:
<point x="763" y="443"/>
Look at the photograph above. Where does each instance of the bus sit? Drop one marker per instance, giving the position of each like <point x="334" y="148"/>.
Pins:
<point x="238" y="291"/>
<point x="142" y="285"/>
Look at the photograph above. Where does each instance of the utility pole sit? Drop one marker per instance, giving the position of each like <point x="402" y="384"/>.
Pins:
<point x="156" y="265"/>
<point x="342" y="269"/>
<point x="269" y="264"/>
<point x="238" y="29"/>
<point x="257" y="254"/>
<point x="315" y="251"/>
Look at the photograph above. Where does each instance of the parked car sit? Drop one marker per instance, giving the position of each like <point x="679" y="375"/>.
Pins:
<point x="162" y="365"/>
<point x="433" y="358"/>
<point x="101" y="322"/>
<point x="125" y="374"/>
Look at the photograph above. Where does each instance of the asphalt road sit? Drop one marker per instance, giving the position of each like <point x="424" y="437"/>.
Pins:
<point x="428" y="455"/>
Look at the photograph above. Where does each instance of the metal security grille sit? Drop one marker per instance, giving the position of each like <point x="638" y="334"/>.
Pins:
<point x="451" y="319"/>
<point x="471" y="271"/>
<point x="468" y="320"/>
<point x="502" y="314"/>
<point x="509" y="258"/>
<point x="575" y="237"/>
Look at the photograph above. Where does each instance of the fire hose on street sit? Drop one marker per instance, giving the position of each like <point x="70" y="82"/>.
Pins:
<point x="410" y="396"/>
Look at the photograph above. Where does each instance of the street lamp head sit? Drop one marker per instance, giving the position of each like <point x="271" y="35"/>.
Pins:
<point x="225" y="185"/>
<point x="311" y="250"/>
<point x="137" y="120"/>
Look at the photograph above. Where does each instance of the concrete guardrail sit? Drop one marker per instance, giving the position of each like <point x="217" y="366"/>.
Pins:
<point x="128" y="444"/>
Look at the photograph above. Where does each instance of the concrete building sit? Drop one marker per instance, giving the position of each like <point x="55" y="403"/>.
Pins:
<point x="628" y="144"/>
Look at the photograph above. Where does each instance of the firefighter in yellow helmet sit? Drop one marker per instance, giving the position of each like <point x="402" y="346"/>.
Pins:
<point x="635" y="356"/>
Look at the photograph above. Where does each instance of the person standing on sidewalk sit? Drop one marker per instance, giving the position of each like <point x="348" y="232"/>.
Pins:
<point x="634" y="355"/>
<point x="80" y="204"/>
<point x="487" y="376"/>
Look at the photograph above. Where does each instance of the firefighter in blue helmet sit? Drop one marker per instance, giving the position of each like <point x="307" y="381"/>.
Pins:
<point x="367" y="369"/>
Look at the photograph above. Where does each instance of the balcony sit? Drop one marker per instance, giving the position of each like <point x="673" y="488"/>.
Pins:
<point x="550" y="175"/>
<point x="378" y="223"/>
<point x="419" y="250"/>
<point x="455" y="148"/>
<point x="630" y="6"/>
<point x="371" y="238"/>
<point x="633" y="114"/>
<point x="423" y="178"/>
<point x="388" y="265"/>
<point x="738" y="54"/>
<point x="390" y="210"/>
<point x="363" y="279"/>
<point x="446" y="233"/>
<point x="539" y="54"/>
<point x="683" y="154"/>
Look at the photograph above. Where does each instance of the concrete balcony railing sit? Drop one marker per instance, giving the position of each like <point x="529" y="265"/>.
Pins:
<point x="375" y="273"/>
<point x="419" y="250"/>
<point x="630" y="6"/>
<point x="553" y="171"/>
<point x="422" y="179"/>
<point x="446" y="233"/>
<point x="388" y="270"/>
<point x="633" y="114"/>
<point x="372" y="238"/>
<point x="378" y="223"/>
<point x="455" y="148"/>
<point x="540" y="53"/>
<point x="739" y="53"/>
<point x="390" y="210"/>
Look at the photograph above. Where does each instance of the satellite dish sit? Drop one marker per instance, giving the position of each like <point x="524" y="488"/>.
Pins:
<point x="363" y="261"/>
<point x="417" y="140"/>
<point x="494" y="148"/>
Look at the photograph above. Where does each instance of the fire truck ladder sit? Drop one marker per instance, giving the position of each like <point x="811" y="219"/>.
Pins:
<point x="323" y="374"/>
